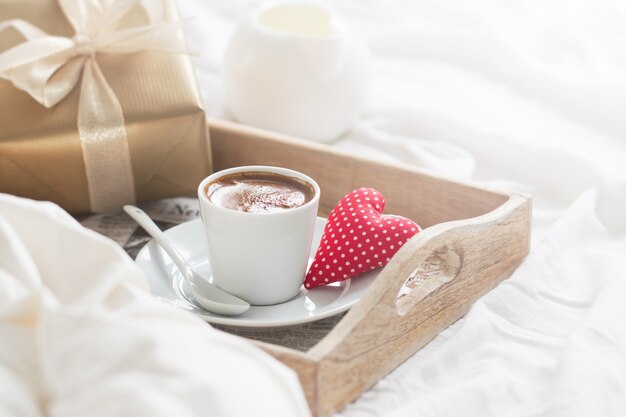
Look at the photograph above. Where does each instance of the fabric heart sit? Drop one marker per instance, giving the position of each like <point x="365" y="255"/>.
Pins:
<point x="357" y="238"/>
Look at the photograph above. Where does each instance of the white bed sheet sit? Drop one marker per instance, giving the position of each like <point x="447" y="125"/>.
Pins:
<point x="525" y="96"/>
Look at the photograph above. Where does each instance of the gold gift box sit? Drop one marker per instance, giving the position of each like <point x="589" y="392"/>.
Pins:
<point x="40" y="149"/>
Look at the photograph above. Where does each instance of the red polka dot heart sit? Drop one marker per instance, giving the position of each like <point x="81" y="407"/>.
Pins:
<point x="357" y="238"/>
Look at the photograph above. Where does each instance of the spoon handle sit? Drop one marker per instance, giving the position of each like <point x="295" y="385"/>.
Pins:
<point x="153" y="230"/>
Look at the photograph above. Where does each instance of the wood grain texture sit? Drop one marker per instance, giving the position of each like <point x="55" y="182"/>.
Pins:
<point x="488" y="232"/>
<point x="409" y="191"/>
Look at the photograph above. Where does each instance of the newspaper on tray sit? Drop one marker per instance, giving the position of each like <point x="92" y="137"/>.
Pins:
<point x="173" y="211"/>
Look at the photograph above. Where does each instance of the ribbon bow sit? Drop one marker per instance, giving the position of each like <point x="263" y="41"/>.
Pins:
<point x="49" y="67"/>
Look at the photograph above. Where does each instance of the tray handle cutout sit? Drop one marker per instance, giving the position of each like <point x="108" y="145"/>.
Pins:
<point x="439" y="268"/>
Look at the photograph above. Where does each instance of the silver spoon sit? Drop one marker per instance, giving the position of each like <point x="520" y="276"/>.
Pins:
<point x="208" y="295"/>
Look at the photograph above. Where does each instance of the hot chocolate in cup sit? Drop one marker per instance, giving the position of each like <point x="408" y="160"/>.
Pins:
<point x="259" y="192"/>
<point x="259" y="222"/>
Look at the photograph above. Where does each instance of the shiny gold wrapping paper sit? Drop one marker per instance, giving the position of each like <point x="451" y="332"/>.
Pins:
<point x="40" y="151"/>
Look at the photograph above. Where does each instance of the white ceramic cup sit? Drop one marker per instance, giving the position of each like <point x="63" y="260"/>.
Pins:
<point x="259" y="257"/>
<point x="295" y="67"/>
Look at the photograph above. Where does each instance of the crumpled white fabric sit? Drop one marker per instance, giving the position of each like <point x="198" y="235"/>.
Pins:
<point x="79" y="336"/>
<point x="526" y="96"/>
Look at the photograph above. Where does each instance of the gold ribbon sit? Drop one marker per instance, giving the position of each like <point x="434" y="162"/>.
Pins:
<point x="49" y="67"/>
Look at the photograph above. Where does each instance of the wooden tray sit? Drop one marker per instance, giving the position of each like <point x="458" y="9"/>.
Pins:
<point x="473" y="238"/>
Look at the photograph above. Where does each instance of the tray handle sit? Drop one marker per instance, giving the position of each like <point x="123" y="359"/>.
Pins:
<point x="455" y="254"/>
<point x="444" y="269"/>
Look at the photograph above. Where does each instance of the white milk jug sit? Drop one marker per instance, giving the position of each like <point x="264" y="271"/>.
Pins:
<point x="295" y="68"/>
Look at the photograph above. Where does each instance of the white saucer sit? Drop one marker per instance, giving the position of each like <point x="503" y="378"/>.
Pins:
<point x="167" y="284"/>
